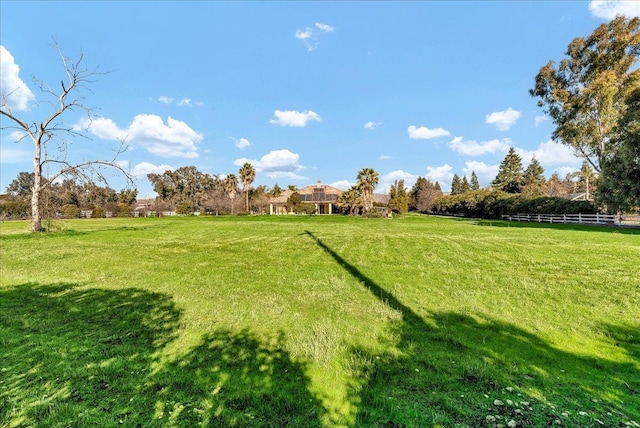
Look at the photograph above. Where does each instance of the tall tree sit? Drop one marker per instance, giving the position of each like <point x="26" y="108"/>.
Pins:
<point x="464" y="185"/>
<point x="398" y="197"/>
<point x="475" y="184"/>
<point x="247" y="174"/>
<point x="423" y="195"/>
<point x="620" y="187"/>
<point x="185" y="185"/>
<point x="231" y="185"/>
<point x="21" y="186"/>
<point x="456" y="185"/>
<point x="584" y="95"/>
<point x="54" y="131"/>
<point x="534" y="174"/>
<point x="509" y="178"/>
<point x="367" y="179"/>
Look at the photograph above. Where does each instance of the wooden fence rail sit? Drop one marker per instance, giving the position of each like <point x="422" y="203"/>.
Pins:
<point x="593" y="219"/>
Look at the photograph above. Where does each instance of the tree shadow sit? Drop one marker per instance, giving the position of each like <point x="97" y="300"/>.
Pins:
<point x="626" y="230"/>
<point x="72" y="356"/>
<point x="75" y="356"/>
<point x="473" y="370"/>
<point x="237" y="380"/>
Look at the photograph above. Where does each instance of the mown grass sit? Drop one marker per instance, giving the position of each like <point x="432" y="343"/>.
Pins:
<point x="318" y="321"/>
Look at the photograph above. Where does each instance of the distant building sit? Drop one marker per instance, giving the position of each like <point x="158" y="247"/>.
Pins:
<point x="323" y="196"/>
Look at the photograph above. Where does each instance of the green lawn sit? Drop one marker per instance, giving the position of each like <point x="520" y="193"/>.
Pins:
<point x="318" y="321"/>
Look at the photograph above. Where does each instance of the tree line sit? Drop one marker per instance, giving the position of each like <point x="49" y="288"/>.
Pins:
<point x="592" y="96"/>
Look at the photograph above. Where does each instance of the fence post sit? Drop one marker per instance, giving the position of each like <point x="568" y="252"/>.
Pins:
<point x="597" y="218"/>
<point x="579" y="218"/>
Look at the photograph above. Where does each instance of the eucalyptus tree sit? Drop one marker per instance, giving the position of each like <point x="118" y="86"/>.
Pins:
<point x="584" y="95"/>
<point x="620" y="188"/>
<point x="367" y="180"/>
<point x="51" y="136"/>
<point x="247" y="175"/>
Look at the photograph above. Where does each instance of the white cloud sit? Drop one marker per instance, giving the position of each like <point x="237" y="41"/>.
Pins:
<point x="423" y="133"/>
<point x="304" y="35"/>
<point x="473" y="148"/>
<point x="550" y="153"/>
<point x="564" y="170"/>
<point x="503" y="120"/>
<point x="13" y="155"/>
<point x="342" y="184"/>
<point x="385" y="157"/>
<point x="294" y="118"/>
<point x="283" y="175"/>
<point x="372" y="125"/>
<point x="609" y="9"/>
<point x="388" y="179"/>
<point x="539" y="119"/>
<point x="165" y="100"/>
<point x="277" y="163"/>
<point x="173" y="139"/>
<point x="185" y="102"/>
<point x="485" y="173"/>
<point x="16" y="136"/>
<point x="442" y="174"/>
<point x="242" y="143"/>
<point x="143" y="168"/>
<point x="311" y="36"/>
<point x="16" y="93"/>
<point x="324" y="27"/>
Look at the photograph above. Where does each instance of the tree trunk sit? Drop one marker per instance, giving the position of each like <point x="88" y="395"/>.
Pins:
<point x="36" y="215"/>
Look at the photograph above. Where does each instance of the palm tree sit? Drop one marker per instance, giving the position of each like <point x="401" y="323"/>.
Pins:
<point x="247" y="174"/>
<point x="350" y="200"/>
<point x="231" y="186"/>
<point x="367" y="181"/>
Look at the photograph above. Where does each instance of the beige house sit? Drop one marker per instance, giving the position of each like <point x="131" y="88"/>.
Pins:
<point x="323" y="196"/>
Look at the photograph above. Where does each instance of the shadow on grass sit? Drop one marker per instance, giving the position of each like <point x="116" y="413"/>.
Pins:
<point x="627" y="230"/>
<point x="71" y="356"/>
<point x="450" y="368"/>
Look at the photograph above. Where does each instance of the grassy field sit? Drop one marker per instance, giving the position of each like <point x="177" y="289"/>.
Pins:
<point x="318" y="321"/>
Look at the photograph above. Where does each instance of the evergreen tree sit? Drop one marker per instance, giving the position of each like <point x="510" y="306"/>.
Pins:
<point x="465" y="184"/>
<point x="534" y="174"/>
<point x="456" y="185"/>
<point x="510" y="174"/>
<point x="475" y="185"/>
<point x="398" y="197"/>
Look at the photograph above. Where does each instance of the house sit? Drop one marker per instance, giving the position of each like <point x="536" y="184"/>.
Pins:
<point x="323" y="196"/>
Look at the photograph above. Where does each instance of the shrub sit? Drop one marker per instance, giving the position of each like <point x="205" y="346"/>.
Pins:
<point x="70" y="211"/>
<point x="98" y="212"/>
<point x="15" y="209"/>
<point x="184" y="209"/>
<point x="123" y="210"/>
<point x="487" y="203"/>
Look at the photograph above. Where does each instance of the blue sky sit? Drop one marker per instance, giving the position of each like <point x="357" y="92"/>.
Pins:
<point x="304" y="91"/>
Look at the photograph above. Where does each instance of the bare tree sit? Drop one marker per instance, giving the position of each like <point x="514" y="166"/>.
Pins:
<point x="53" y="131"/>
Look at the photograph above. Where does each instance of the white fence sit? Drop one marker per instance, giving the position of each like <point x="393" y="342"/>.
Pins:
<point x="593" y="219"/>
